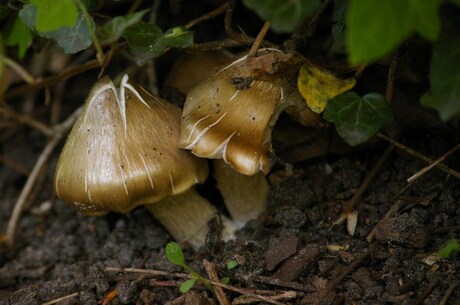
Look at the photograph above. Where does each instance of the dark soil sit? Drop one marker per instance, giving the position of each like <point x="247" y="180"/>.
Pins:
<point x="292" y="254"/>
<point x="292" y="247"/>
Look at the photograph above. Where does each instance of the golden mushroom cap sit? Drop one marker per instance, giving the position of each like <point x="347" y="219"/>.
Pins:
<point x="122" y="152"/>
<point x="229" y="116"/>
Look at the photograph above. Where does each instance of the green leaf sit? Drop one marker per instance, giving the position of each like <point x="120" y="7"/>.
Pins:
<point x="358" y="118"/>
<point x="450" y="248"/>
<point x="18" y="34"/>
<point x="147" y="41"/>
<point x="71" y="39"/>
<point x="54" y="14"/>
<point x="231" y="264"/>
<point x="175" y="255"/>
<point x="283" y="15"/>
<point x="187" y="285"/>
<point x="444" y="94"/>
<point x="375" y="28"/>
<point x="113" y="29"/>
<point x="225" y="280"/>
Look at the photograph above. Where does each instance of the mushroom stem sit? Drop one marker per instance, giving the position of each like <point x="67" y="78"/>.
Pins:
<point x="245" y="196"/>
<point x="185" y="216"/>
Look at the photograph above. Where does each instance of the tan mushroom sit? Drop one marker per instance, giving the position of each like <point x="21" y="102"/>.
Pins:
<point x="230" y="116"/>
<point x="122" y="152"/>
<point x="245" y="196"/>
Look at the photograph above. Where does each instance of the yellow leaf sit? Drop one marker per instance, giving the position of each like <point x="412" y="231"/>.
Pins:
<point x="318" y="86"/>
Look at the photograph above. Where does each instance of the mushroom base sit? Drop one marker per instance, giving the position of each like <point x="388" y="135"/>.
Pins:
<point x="245" y="196"/>
<point x="185" y="217"/>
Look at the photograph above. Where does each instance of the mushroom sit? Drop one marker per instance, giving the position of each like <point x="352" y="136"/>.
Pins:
<point x="245" y="196"/>
<point x="230" y="116"/>
<point x="122" y="152"/>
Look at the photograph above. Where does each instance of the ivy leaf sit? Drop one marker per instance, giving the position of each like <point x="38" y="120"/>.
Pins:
<point x="113" y="29"/>
<point x="187" y="285"/>
<point x="71" y="39"/>
<point x="358" y="118"/>
<point x="283" y="15"/>
<point x="375" y="28"/>
<point x="18" y="34"/>
<point x="147" y="41"/>
<point x="444" y="94"/>
<point x="54" y="14"/>
<point x="175" y="255"/>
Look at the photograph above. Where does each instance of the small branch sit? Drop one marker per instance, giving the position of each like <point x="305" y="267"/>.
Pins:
<point x="418" y="155"/>
<point x="362" y="188"/>
<point x="60" y="130"/>
<point x="188" y="276"/>
<point x="99" y="52"/>
<point x="242" y="39"/>
<point x="417" y="175"/>
<point x="27" y="120"/>
<point x="210" y="15"/>
<point x="73" y="295"/>
<point x="26" y="76"/>
<point x="216" y="45"/>
<point x="391" y="78"/>
<point x="15" y="166"/>
<point x="394" y="208"/>
<point x="350" y="268"/>
<point x="448" y="293"/>
<point x="49" y="81"/>
<point x="259" y="39"/>
<point x="212" y="274"/>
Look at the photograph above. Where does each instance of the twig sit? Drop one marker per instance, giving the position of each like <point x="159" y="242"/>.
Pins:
<point x="184" y="275"/>
<point x="244" y="292"/>
<point x="259" y="39"/>
<point x="219" y="44"/>
<point x="15" y="166"/>
<point x="25" y="119"/>
<point x="280" y="283"/>
<point x="49" y="81"/>
<point x="89" y="23"/>
<point x="287" y="295"/>
<point x="212" y="14"/>
<point x="237" y="37"/>
<point x="394" y="208"/>
<point x="60" y="130"/>
<point x="435" y="163"/>
<point x="26" y="76"/>
<point x="69" y="72"/>
<point x="149" y="272"/>
<point x="391" y="78"/>
<point x="448" y="293"/>
<point x="350" y="268"/>
<point x="426" y="292"/>
<point x="72" y="295"/>
<point x="212" y="274"/>
<point x="418" y="155"/>
<point x="367" y="180"/>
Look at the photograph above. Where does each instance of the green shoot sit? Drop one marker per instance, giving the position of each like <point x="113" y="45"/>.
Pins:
<point x="450" y="248"/>
<point x="176" y="256"/>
